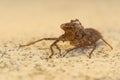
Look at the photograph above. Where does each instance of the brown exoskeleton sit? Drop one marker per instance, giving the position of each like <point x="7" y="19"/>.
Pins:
<point x="77" y="35"/>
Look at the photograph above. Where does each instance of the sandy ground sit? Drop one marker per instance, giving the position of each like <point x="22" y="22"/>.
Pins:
<point x="22" y="21"/>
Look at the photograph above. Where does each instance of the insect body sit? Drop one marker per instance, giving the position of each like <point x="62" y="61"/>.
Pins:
<point x="77" y="35"/>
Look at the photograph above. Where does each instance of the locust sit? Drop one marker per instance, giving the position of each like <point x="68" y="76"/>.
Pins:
<point x="77" y="35"/>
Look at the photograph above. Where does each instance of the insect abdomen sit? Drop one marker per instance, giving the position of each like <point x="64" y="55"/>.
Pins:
<point x="92" y="35"/>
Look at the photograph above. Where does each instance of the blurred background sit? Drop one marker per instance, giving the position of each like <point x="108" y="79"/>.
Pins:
<point x="36" y="18"/>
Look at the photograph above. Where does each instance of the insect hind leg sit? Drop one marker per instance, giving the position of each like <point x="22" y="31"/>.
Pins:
<point x="107" y="43"/>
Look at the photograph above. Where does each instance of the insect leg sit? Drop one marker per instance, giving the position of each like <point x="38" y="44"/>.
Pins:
<point x="58" y="49"/>
<point x="51" y="48"/>
<point x="67" y="51"/>
<point x="31" y="43"/>
<point x="107" y="43"/>
<point x="94" y="47"/>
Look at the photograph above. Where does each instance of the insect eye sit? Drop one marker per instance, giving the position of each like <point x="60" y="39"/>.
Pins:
<point x="66" y="24"/>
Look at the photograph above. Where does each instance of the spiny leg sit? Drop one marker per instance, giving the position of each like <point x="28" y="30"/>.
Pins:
<point x="53" y="44"/>
<point x="107" y="43"/>
<point x="31" y="43"/>
<point x="94" y="47"/>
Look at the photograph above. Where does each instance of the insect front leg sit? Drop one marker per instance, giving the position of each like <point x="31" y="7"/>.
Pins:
<point x="31" y="43"/>
<point x="61" y="38"/>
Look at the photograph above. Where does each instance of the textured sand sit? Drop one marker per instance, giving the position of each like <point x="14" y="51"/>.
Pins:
<point x="22" y="21"/>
